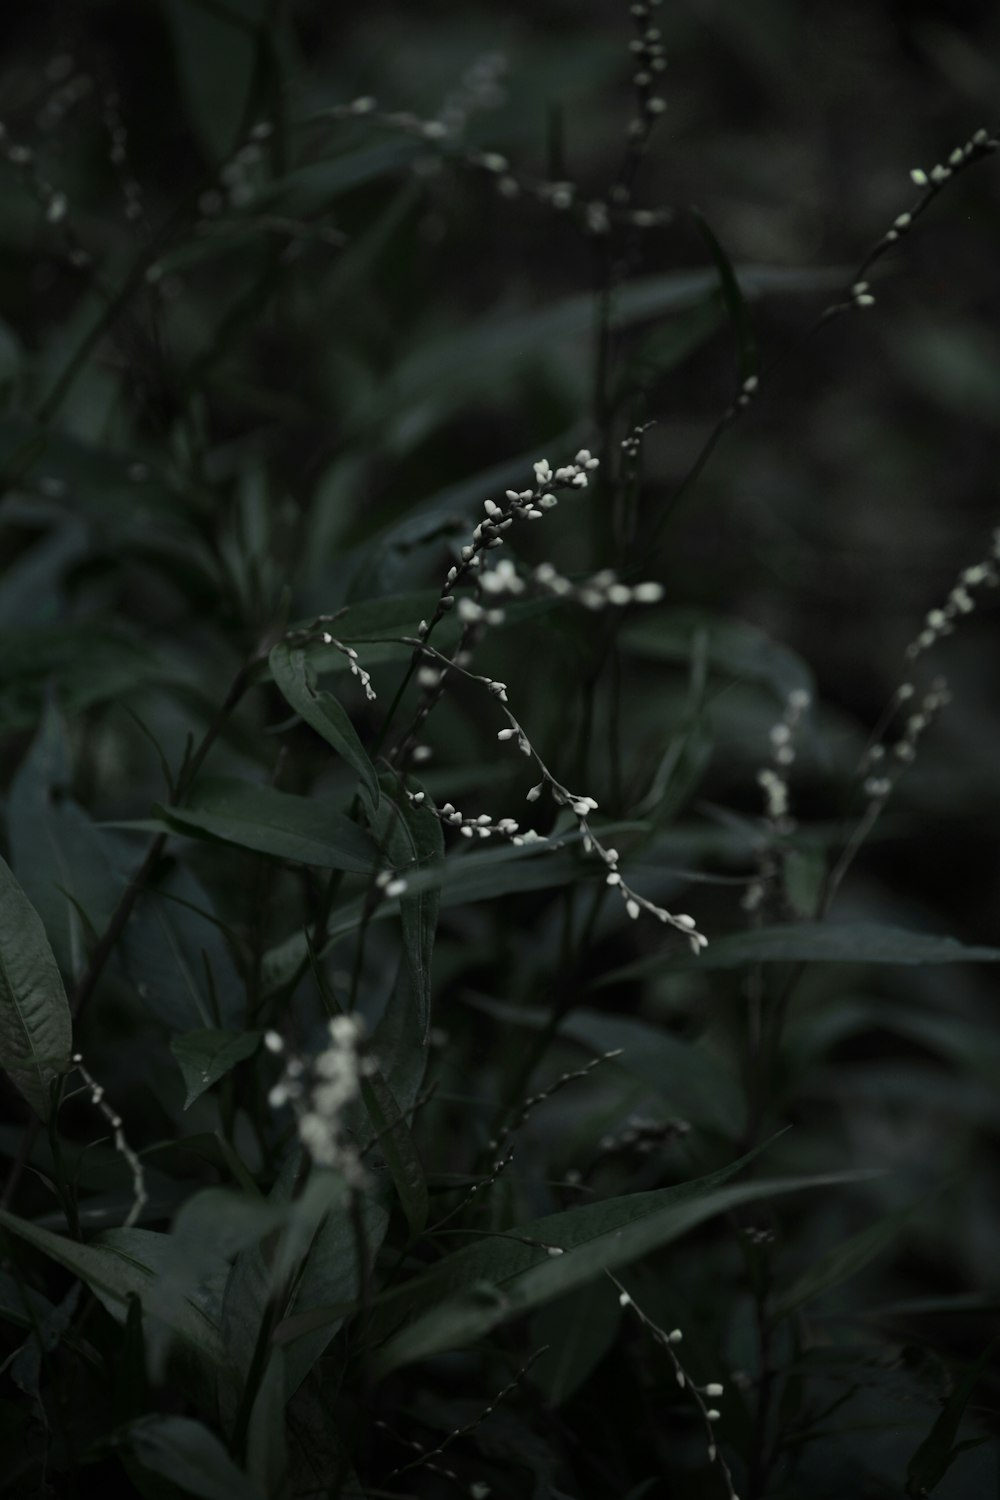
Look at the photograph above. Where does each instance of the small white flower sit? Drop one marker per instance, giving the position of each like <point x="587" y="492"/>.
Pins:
<point x="648" y="593"/>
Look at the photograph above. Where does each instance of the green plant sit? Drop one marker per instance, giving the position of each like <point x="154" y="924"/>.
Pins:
<point x="355" y="1114"/>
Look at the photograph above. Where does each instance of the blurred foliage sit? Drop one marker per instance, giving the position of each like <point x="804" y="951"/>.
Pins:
<point x="263" y="357"/>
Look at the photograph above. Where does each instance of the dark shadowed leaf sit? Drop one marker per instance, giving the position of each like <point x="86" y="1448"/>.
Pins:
<point x="732" y="647"/>
<point x="687" y="1076"/>
<point x="169" y="950"/>
<point x="295" y="680"/>
<point x="840" y="1263"/>
<point x="475" y="1290"/>
<point x="815" y="942"/>
<point x="114" y="1274"/>
<point x="279" y="824"/>
<point x="394" y="1141"/>
<point x="65" y="865"/>
<point x="938" y="1451"/>
<point x="415" y="842"/>
<point x="206" y="1056"/>
<point x="734" y="298"/>
<point x="579" y="1329"/>
<point x="36" y="1031"/>
<point x="185" y="1453"/>
<point x="216" y="59"/>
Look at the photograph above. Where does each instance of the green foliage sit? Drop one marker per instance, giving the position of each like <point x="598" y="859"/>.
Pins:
<point x="36" y="1031"/>
<point x="456" y="858"/>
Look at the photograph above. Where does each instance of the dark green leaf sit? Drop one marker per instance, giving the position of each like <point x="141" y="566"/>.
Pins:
<point x="321" y="711"/>
<point x="474" y="1290"/>
<point x="733" y="296"/>
<point x="216" y="59"/>
<point x="276" y="823"/>
<point x="938" y="1451"/>
<point x="732" y="647"/>
<point x="206" y="1056"/>
<point x="394" y="1141"/>
<point x="25" y="1368"/>
<point x="267" y="1448"/>
<point x="113" y="1275"/>
<point x="579" y="1330"/>
<point x="815" y="942"/>
<point x="186" y="1454"/>
<point x="415" y="841"/>
<point x="691" y="1081"/>
<point x="166" y="948"/>
<point x="65" y="865"/>
<point x="36" y="1031"/>
<point x="840" y="1263"/>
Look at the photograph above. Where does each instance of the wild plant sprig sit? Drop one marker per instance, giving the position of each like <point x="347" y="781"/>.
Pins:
<point x="594" y="215"/>
<point x="883" y="763"/>
<point x="96" y="1093"/>
<point x="530" y="1104"/>
<point x="650" y="62"/>
<point x="580" y="805"/>
<point x="858" y="297"/>
<point x="318" y="634"/>
<point x="530" y="504"/>
<point x="709" y="1414"/>
<point x="469" y="1427"/>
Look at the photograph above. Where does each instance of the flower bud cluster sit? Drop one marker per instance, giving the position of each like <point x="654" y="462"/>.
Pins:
<point x="50" y="200"/>
<point x="978" y="145"/>
<point x="604" y="589"/>
<point x="960" y="602"/>
<point x="885" y="764"/>
<point x="529" y="505"/>
<point x="479" y="826"/>
<point x="650" y="60"/>
<point x="774" y="778"/>
<point x="882" y="764"/>
<point x="643" y="1136"/>
<point x="241" y="177"/>
<point x="773" y="781"/>
<point x="131" y="189"/>
<point x="594" y="215"/>
<point x="320" y="1088"/>
<point x="68" y="88"/>
<point x="480" y="88"/>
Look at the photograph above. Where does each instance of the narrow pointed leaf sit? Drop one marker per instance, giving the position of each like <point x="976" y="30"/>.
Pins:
<point x="840" y="1263"/>
<point x="394" y="1141"/>
<point x="733" y="296"/>
<point x="276" y="823"/>
<point x="415" y="841"/>
<point x="938" y="1451"/>
<point x="492" y="1285"/>
<point x="815" y="942"/>
<point x="294" y="678"/>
